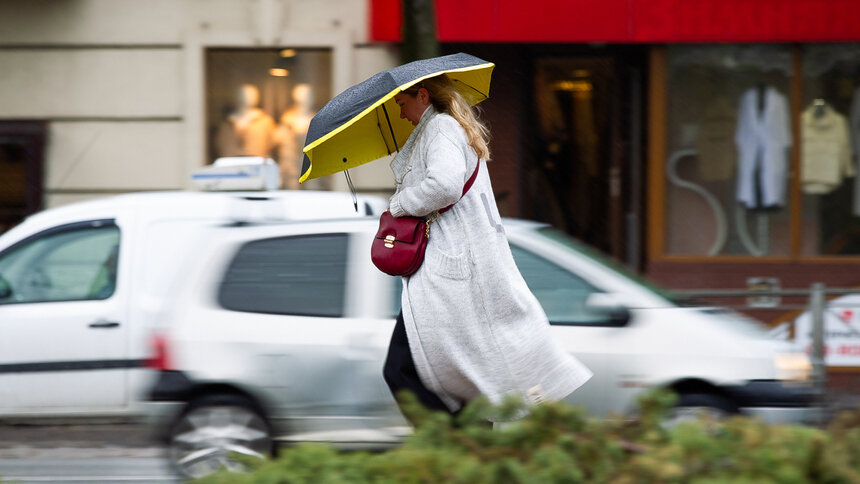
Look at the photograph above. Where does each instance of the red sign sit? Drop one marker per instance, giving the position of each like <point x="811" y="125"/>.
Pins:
<point x="631" y="21"/>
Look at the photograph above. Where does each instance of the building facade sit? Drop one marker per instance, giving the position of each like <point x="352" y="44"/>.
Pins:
<point x="708" y="144"/>
<point x="108" y="96"/>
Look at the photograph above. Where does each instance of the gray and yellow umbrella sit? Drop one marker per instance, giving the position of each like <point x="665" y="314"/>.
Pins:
<point x="363" y="124"/>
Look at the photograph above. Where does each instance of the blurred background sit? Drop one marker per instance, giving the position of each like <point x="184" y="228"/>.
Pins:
<point x="708" y="145"/>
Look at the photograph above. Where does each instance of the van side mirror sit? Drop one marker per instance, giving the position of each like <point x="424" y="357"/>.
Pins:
<point x="5" y="288"/>
<point x="616" y="314"/>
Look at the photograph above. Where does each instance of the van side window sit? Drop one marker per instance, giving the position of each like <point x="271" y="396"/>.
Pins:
<point x="561" y="293"/>
<point x="303" y="275"/>
<point x="73" y="263"/>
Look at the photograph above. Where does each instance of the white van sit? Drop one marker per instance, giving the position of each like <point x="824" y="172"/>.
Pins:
<point x="281" y="337"/>
<point x="81" y="284"/>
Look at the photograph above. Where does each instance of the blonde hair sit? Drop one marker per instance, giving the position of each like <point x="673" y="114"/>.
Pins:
<point x="447" y="99"/>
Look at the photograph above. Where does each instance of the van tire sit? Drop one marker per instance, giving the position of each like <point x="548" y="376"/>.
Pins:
<point x="212" y="429"/>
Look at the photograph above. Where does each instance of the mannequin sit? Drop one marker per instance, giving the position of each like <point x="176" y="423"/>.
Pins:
<point x="247" y="131"/>
<point x="292" y="130"/>
<point x="762" y="138"/>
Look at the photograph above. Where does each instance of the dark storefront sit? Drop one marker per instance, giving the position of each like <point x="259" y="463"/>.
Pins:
<point x="567" y="137"/>
<point x="22" y="152"/>
<point x="619" y="121"/>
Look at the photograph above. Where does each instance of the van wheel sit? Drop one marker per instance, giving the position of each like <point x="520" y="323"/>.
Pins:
<point x="692" y="406"/>
<point x="218" y="432"/>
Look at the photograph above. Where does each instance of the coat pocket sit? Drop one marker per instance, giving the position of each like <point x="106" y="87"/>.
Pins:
<point x="449" y="266"/>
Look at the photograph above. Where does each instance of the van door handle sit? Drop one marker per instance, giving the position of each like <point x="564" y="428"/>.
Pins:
<point x="104" y="324"/>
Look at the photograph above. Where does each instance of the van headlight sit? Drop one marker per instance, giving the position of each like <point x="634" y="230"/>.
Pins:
<point x="793" y="367"/>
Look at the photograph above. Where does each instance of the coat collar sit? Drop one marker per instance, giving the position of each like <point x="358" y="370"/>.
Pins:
<point x="402" y="162"/>
<point x="824" y="119"/>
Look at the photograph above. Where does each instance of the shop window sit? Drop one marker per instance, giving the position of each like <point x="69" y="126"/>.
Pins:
<point x="260" y="101"/>
<point x="729" y="139"/>
<point x="830" y="137"/>
<point x="21" y="160"/>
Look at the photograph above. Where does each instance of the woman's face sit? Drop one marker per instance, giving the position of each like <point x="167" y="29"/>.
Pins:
<point x="412" y="107"/>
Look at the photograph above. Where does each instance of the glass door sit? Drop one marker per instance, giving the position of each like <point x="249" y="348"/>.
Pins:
<point x="576" y="175"/>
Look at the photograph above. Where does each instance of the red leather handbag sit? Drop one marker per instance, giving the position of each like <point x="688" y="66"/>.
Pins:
<point x="398" y="248"/>
<point x="400" y="242"/>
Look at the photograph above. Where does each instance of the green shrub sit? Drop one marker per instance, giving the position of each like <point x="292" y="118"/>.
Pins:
<point x="559" y="444"/>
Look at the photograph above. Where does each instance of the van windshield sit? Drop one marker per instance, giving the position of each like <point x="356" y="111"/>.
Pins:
<point x="623" y="271"/>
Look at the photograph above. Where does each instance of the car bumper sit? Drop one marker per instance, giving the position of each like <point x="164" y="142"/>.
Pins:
<point x="777" y="402"/>
<point x="171" y="386"/>
<point x="777" y="415"/>
<point x="165" y="402"/>
<point x="160" y="416"/>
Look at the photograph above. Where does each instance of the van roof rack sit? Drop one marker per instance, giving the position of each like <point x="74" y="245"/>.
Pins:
<point x="238" y="173"/>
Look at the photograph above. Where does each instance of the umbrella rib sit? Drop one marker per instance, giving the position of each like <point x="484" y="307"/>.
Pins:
<point x="484" y="96"/>
<point x="381" y="133"/>
<point x="390" y="128"/>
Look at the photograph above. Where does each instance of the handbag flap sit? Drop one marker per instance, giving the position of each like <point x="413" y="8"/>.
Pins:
<point x="404" y="229"/>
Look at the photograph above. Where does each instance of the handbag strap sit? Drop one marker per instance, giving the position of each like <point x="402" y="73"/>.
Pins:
<point x="466" y="187"/>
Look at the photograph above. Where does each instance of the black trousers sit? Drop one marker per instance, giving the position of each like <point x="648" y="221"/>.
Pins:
<point x="400" y="373"/>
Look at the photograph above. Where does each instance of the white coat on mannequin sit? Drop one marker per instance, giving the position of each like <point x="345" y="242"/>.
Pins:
<point x="762" y="138"/>
<point x="825" y="159"/>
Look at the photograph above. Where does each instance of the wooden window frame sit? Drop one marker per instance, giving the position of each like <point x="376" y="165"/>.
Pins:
<point x="657" y="152"/>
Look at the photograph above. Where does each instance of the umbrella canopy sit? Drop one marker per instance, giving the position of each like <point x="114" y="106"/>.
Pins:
<point x="363" y="123"/>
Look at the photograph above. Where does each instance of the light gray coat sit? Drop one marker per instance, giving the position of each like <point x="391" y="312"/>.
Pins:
<point x="473" y="325"/>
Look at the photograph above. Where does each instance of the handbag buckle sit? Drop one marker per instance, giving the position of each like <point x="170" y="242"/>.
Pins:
<point x="389" y="241"/>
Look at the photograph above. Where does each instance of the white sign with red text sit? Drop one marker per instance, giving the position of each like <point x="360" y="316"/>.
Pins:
<point x="841" y="331"/>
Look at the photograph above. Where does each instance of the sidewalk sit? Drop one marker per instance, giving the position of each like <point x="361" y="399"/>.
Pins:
<point x="75" y="435"/>
<point x="135" y="435"/>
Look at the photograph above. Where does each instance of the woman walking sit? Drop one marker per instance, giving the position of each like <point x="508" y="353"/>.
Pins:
<point x="469" y="325"/>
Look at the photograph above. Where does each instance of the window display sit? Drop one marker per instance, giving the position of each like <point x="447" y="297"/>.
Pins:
<point x="729" y="138"/>
<point x="260" y="102"/>
<point x="738" y="183"/>
<point x="831" y="106"/>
